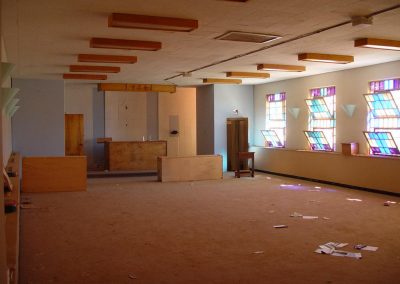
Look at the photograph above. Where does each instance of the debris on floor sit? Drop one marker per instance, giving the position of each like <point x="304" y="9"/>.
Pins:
<point x="310" y="217"/>
<point x="388" y="203"/>
<point x="354" y="199"/>
<point x="132" y="276"/>
<point x="295" y="214"/>
<point x="271" y="211"/>
<point x="365" y="247"/>
<point x="280" y="226"/>
<point x="258" y="252"/>
<point x="326" y="218"/>
<point x="331" y="248"/>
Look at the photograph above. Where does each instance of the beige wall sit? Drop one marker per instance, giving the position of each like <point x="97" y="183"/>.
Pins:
<point x="126" y="116"/>
<point x="362" y="171"/>
<point x="181" y="104"/>
<point x="350" y="86"/>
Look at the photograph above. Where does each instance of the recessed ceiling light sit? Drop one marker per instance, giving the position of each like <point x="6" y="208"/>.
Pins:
<point x="106" y="58"/>
<point x="377" y="43"/>
<point x="326" y="58"/>
<point x="112" y="43"/>
<point x="132" y="21"/>
<point x="247" y="75"/>
<point x="247" y="37"/>
<point x="85" y="76"/>
<point x="221" y="81"/>
<point x="101" y="69"/>
<point x="281" y="67"/>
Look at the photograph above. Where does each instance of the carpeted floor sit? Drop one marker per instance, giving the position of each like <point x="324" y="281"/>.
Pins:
<point x="136" y="230"/>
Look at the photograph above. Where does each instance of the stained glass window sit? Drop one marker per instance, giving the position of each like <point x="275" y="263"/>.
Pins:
<point x="276" y="117"/>
<point x="271" y="138"/>
<point x="382" y="143"/>
<point x="318" y="141"/>
<point x="322" y="108"/>
<point x="384" y="110"/>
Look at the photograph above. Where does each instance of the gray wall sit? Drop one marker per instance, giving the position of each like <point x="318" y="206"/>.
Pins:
<point x="38" y="126"/>
<point x="205" y="120"/>
<point x="226" y="99"/>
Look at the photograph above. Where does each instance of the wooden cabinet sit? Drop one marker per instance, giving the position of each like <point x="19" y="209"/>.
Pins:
<point x="237" y="141"/>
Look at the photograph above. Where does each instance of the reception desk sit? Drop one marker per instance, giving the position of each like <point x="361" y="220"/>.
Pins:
<point x="133" y="155"/>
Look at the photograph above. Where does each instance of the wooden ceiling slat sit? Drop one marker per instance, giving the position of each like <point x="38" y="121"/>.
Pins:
<point x="118" y="20"/>
<point x="94" y="68"/>
<point x="98" y="42"/>
<point x="102" y="58"/>
<point x="85" y="76"/>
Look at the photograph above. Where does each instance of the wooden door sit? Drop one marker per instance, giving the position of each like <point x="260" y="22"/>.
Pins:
<point x="74" y="135"/>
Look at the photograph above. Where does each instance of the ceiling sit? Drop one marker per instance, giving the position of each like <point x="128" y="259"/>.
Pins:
<point x="43" y="37"/>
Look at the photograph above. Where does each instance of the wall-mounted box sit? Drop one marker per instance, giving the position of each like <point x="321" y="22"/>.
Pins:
<point x="349" y="149"/>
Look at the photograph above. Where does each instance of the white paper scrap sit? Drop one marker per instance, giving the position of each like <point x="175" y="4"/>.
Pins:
<point x="310" y="217"/>
<point x="280" y="226"/>
<point x="347" y="254"/>
<point x="326" y="218"/>
<point x="365" y="247"/>
<point x="258" y="252"/>
<point x="354" y="199"/>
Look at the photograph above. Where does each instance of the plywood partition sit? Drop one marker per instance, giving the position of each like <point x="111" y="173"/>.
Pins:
<point x="379" y="173"/>
<point x="53" y="174"/>
<point x="134" y="155"/>
<point x="202" y="167"/>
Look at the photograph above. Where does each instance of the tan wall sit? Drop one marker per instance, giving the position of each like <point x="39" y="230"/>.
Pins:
<point x="350" y="87"/>
<point x="181" y="104"/>
<point x="125" y="116"/>
<point x="363" y="171"/>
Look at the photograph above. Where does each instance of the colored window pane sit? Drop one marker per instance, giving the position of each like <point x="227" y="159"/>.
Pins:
<point x="271" y="138"/>
<point x="384" y="85"/>
<point x="382" y="105"/>
<point x="318" y="108"/>
<point x="382" y="143"/>
<point x="318" y="141"/>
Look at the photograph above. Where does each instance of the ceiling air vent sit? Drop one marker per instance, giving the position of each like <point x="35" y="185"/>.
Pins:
<point x="247" y="37"/>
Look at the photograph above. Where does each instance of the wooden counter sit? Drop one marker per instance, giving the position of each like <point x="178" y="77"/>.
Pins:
<point x="134" y="155"/>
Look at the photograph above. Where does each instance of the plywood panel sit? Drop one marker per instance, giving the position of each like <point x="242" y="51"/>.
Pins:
<point x="52" y="174"/>
<point x="202" y="167"/>
<point x="135" y="155"/>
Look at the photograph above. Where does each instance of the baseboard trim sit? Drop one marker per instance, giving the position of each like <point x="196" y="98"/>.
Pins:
<point x="333" y="183"/>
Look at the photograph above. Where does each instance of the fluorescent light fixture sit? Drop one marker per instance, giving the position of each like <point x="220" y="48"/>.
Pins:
<point x="118" y="20"/>
<point x="247" y="75"/>
<point x="326" y="58"/>
<point x="89" y="68"/>
<point x="378" y="43"/>
<point x="280" y="67"/>
<point x="221" y="81"/>
<point x="112" y="43"/>
<point x="102" y="58"/>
